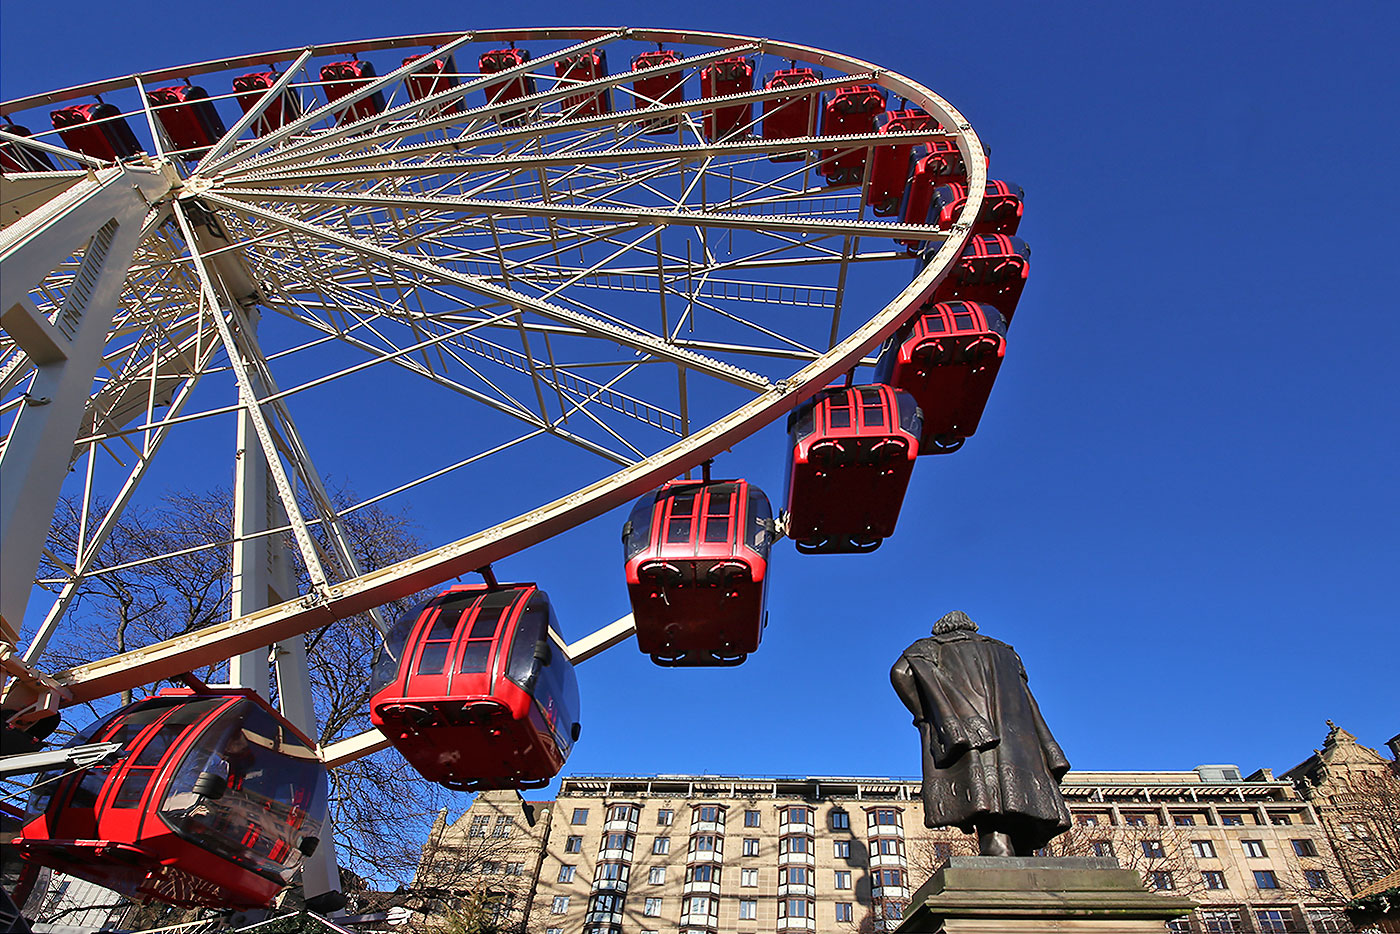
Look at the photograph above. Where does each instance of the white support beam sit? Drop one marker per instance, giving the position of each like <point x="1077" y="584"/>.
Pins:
<point x="108" y="218"/>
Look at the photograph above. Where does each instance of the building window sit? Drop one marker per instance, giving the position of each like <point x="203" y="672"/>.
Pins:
<point x="883" y="816"/>
<point x="793" y="845"/>
<point x="610" y="871"/>
<point x="553" y="931"/>
<point x="1137" y="820"/>
<point x="793" y="875"/>
<point x="573" y="845"/>
<point x="1152" y="849"/>
<point x="748" y="878"/>
<point x="707" y="813"/>
<point x="622" y="812"/>
<point x="1328" y="921"/>
<point x="1203" y="849"/>
<point x="840" y="820"/>
<point x="700" y="905"/>
<point x="793" y="908"/>
<point x="665" y="817"/>
<point x="750" y="846"/>
<point x="1316" y="878"/>
<point x="566" y="873"/>
<point x="1179" y="926"/>
<point x="894" y="910"/>
<point x="490" y="868"/>
<point x="1213" y="878"/>
<point x="1254" y="849"/>
<point x="560" y="905"/>
<point x="1271" y="920"/>
<point x="702" y="873"/>
<point x="845" y="911"/>
<point x="1280" y="820"/>
<point x="656" y="875"/>
<point x="843" y="879"/>
<point x="652" y="908"/>
<point x="1103" y="848"/>
<point x="702" y="843"/>
<point x="1087" y="820"/>
<point x="748" y="909"/>
<point x="1219" y="921"/>
<point x="1304" y="847"/>
<point x="1162" y="880"/>
<point x="1185" y="820"/>
<point x="580" y="816"/>
<point x="1265" y="879"/>
<point x="942" y="852"/>
<point x="515" y="869"/>
<point x="479" y="824"/>
<point x="842" y="849"/>
<point x="1232" y="820"/>
<point x="617" y="841"/>
<point x="891" y="846"/>
<point x="888" y="877"/>
<point x="751" y="818"/>
<point x="661" y="846"/>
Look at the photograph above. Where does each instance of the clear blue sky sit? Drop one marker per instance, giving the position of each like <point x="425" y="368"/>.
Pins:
<point x="1181" y="506"/>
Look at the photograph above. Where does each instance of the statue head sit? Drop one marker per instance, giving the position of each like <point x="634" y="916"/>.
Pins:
<point x="952" y="622"/>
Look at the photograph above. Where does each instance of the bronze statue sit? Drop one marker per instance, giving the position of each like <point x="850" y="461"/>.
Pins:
<point x="989" y="761"/>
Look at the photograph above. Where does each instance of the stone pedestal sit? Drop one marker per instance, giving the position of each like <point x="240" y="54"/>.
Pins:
<point x="1021" y="895"/>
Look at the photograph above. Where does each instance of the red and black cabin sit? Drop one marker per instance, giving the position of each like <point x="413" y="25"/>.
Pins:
<point x="585" y="66"/>
<point x="341" y="78"/>
<point x="992" y="269"/>
<point x="250" y="89"/>
<point x="733" y="75"/>
<point x="98" y="130"/>
<point x="696" y="557"/>
<point x="433" y="78"/>
<point x="509" y="89"/>
<point x="188" y="117"/>
<point x="947" y="358"/>
<point x="653" y="90"/>
<point x="214" y="802"/>
<point x="1002" y="205"/>
<point x="932" y="164"/>
<point x="17" y="158"/>
<point x="476" y="690"/>
<point x="890" y="165"/>
<point x="850" y="110"/>
<point x="853" y="450"/>
<point x="791" y="115"/>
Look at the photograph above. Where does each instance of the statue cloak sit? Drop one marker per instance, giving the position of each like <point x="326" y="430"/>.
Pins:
<point x="989" y="760"/>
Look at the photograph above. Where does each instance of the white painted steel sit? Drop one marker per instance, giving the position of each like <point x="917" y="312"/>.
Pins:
<point x="500" y="259"/>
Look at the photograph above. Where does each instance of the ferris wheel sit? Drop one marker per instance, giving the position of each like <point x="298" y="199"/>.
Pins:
<point x="641" y="245"/>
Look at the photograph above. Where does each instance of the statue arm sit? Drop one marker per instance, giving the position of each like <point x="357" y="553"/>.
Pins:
<point x="905" y="685"/>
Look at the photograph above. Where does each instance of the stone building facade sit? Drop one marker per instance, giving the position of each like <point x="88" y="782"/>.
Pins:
<point x="705" y="854"/>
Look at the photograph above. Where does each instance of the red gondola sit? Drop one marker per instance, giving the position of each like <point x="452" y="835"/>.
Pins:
<point x="668" y="88"/>
<point x="947" y="358"/>
<point x="98" y="130"/>
<point x="696" y="554"/>
<point x="889" y="165"/>
<point x="188" y="117"/>
<point x="938" y="162"/>
<point x="853" y="450"/>
<point x="585" y="66"/>
<point x="433" y="78"/>
<point x="17" y="158"/>
<point x="341" y="78"/>
<point x="511" y="88"/>
<point x="474" y="688"/>
<point x="250" y="89"/>
<point x="850" y="110"/>
<point x="1002" y="205"/>
<point x="732" y="75"/>
<point x="792" y="114"/>
<point x="991" y="270"/>
<point x="214" y="803"/>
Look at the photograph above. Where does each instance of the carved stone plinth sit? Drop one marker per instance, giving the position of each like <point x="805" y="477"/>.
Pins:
<point x="1016" y="895"/>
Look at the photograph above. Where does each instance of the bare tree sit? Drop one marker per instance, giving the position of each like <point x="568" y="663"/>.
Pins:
<point x="1364" y="822"/>
<point x="162" y="578"/>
